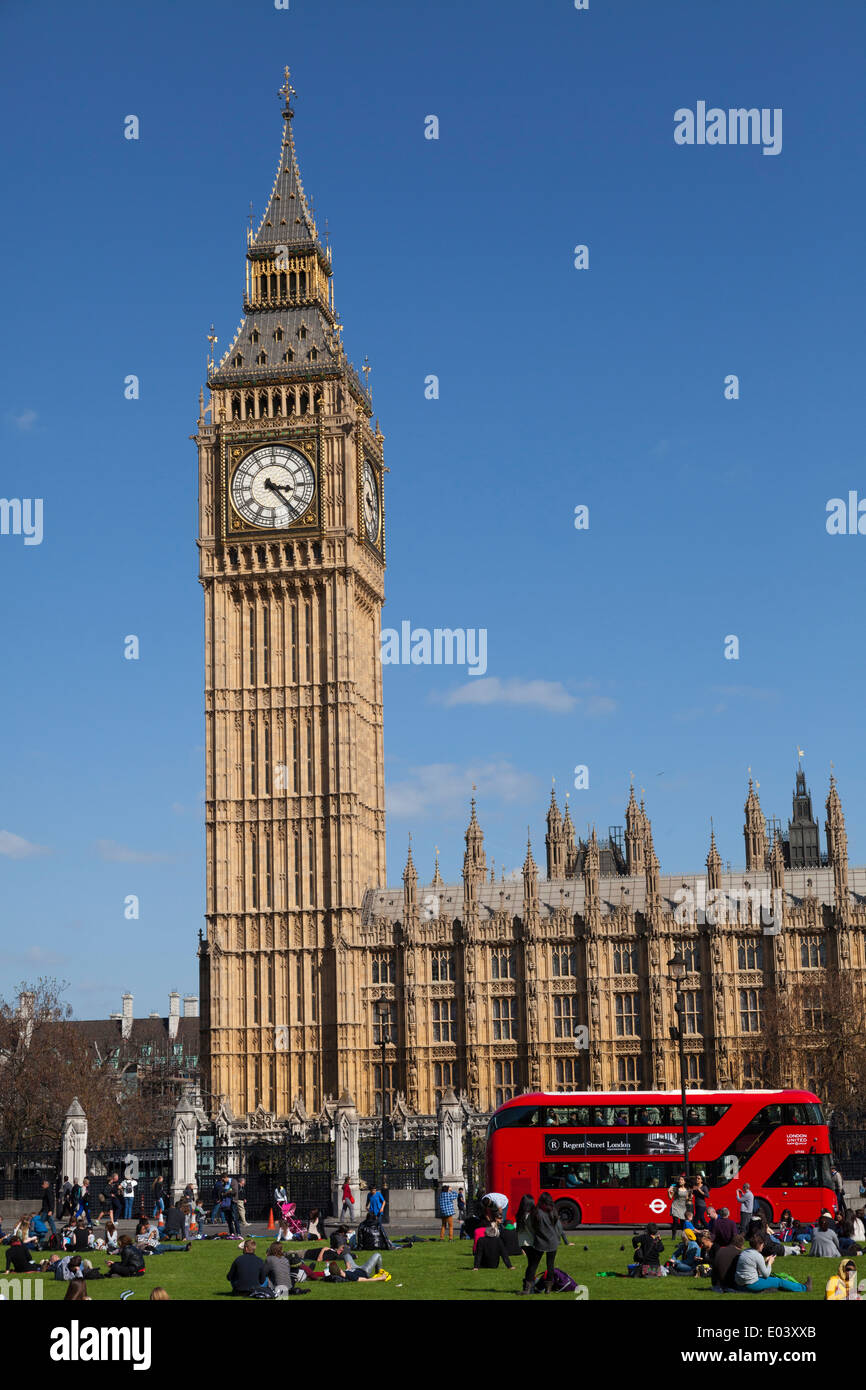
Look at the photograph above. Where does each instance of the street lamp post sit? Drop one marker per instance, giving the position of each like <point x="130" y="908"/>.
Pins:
<point x="383" y="1010"/>
<point x="677" y="967"/>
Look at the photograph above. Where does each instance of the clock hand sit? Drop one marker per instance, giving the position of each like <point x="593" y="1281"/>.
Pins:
<point x="272" y="487"/>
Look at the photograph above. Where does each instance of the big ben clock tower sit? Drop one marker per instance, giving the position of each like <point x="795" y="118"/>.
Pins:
<point x="291" y="542"/>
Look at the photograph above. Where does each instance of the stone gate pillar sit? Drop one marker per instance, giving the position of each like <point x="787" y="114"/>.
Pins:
<point x="451" y="1140"/>
<point x="184" y="1134"/>
<point x="74" y="1143"/>
<point x="346" y="1130"/>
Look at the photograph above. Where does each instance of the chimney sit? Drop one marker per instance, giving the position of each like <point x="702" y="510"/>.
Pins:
<point x="126" y="1019"/>
<point x="190" y="1006"/>
<point x="173" y="1014"/>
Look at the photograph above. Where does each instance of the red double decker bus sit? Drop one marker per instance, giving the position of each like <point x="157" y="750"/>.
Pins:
<point x="609" y="1158"/>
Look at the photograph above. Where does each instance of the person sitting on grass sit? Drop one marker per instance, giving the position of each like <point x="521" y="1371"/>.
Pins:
<point x="368" y="1273"/>
<point x="19" y="1259"/>
<point x="843" y="1285"/>
<point x="131" y="1262"/>
<point x="148" y="1241"/>
<point x="685" y="1257"/>
<point x="720" y="1225"/>
<point x="825" y="1242"/>
<point x="247" y="1271"/>
<point x="314" y="1225"/>
<point x="647" y="1247"/>
<point x="159" y="1295"/>
<point x="723" y="1264"/>
<point x="174" y="1223"/>
<point x="754" y="1274"/>
<point x="279" y="1271"/>
<point x="489" y="1250"/>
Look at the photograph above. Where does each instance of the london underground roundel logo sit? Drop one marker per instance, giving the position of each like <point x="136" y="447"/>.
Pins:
<point x="657" y="1205"/>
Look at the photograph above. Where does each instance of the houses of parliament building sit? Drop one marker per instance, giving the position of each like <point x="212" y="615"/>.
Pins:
<point x="309" y="963"/>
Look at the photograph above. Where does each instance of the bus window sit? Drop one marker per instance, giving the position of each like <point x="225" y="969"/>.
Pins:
<point x="696" y="1114"/>
<point x="621" y="1117"/>
<point x="802" y="1170"/>
<point x="559" y="1115"/>
<point x="582" y="1113"/>
<point x="640" y="1116"/>
<point x="517" y="1117"/>
<point x="653" y="1115"/>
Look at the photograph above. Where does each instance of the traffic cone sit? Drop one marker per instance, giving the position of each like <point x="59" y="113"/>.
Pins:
<point x="160" y="1219"/>
<point x="271" y="1225"/>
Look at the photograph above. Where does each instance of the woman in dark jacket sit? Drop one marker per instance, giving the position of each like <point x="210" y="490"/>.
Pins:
<point x="131" y="1260"/>
<point x="648" y="1246"/>
<point x="544" y="1233"/>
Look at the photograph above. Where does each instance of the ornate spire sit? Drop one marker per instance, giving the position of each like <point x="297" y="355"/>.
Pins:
<point x="714" y="864"/>
<point x="837" y="847"/>
<point x="437" y="877"/>
<point x="634" y="835"/>
<point x="290" y="332"/>
<point x="474" y="860"/>
<point x="591" y="870"/>
<point x="555" y="839"/>
<point x="530" y="874"/>
<point x="755" y="830"/>
<point x="410" y="877"/>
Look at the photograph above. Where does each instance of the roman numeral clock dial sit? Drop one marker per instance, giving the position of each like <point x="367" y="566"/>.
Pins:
<point x="273" y="486"/>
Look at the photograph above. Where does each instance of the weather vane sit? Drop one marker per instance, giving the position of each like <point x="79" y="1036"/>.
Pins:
<point x="213" y="340"/>
<point x="366" y="369"/>
<point x="287" y="90"/>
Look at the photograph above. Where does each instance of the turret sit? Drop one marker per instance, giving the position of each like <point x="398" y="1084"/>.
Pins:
<point x="837" y="845"/>
<point x="755" y="832"/>
<point x="555" y="840"/>
<point x="714" y="865"/>
<point x="634" y="836"/>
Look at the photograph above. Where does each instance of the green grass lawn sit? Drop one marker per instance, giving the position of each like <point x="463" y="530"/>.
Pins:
<point x="441" y="1271"/>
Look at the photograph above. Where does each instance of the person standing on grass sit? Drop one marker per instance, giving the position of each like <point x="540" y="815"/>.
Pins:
<point x="680" y="1197"/>
<point x="746" y="1199"/>
<point x="700" y="1197"/>
<point x="127" y="1192"/>
<point x="241" y="1203"/>
<point x="65" y="1198"/>
<point x="375" y="1205"/>
<point x="447" y="1208"/>
<point x="546" y="1234"/>
<point x="46" y="1211"/>
<point x="347" y="1210"/>
<point x="839" y="1188"/>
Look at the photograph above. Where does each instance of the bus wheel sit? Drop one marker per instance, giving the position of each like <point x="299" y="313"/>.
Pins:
<point x="763" y="1209"/>
<point x="569" y="1214"/>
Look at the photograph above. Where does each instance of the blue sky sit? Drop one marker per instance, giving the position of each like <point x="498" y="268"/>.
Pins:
<point x="558" y="387"/>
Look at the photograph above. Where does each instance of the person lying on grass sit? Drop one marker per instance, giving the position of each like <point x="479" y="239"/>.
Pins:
<point x="368" y="1273"/>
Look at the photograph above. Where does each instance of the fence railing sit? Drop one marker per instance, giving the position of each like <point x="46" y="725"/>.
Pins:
<point x="23" y="1171"/>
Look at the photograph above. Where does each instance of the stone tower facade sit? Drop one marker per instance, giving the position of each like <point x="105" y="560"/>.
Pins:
<point x="291" y="543"/>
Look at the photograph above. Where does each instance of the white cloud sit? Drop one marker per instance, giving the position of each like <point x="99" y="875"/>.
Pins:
<point x="490" y="690"/>
<point x="445" y="789"/>
<point x="551" y="696"/>
<point x="25" y="421"/>
<point x="14" y="847"/>
<point x="114" y="853"/>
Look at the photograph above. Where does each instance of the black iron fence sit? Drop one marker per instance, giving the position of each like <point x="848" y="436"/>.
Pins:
<point x="304" y="1168"/>
<point x="412" y="1163"/>
<point x="849" y="1150"/>
<point x="23" y="1171"/>
<point x="144" y="1166"/>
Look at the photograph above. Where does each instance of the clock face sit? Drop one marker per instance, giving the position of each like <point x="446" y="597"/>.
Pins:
<point x="273" y="486"/>
<point x="370" y="498"/>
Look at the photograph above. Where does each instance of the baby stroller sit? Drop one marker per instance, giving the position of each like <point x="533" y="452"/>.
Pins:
<point x="290" y="1227"/>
